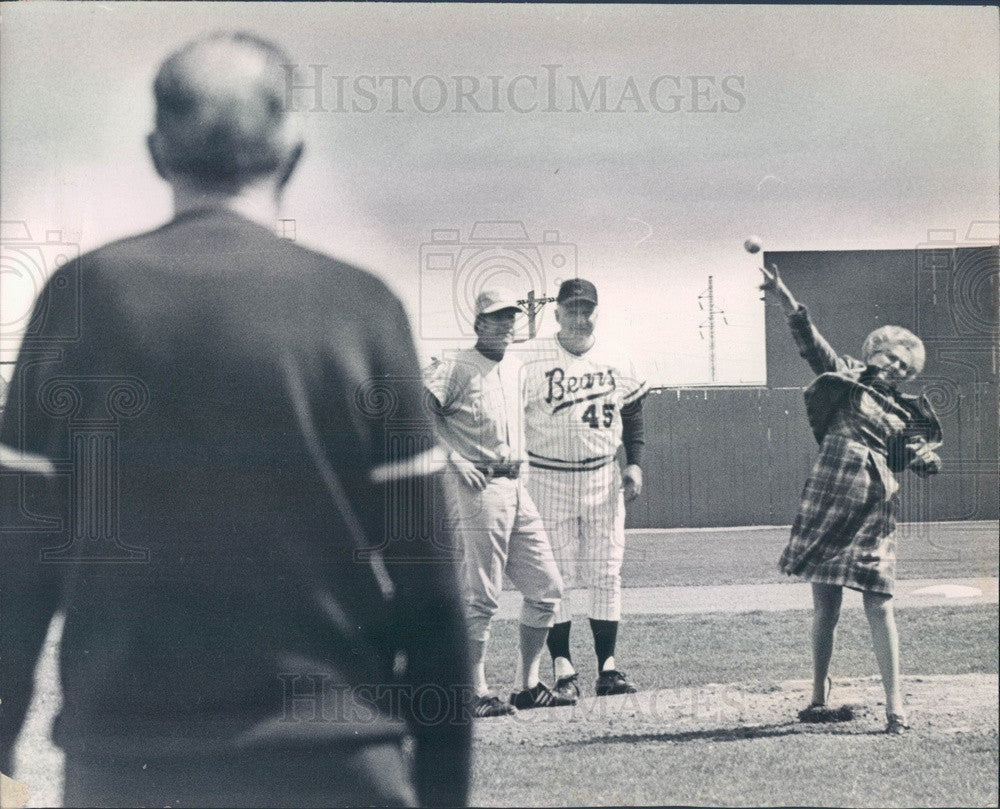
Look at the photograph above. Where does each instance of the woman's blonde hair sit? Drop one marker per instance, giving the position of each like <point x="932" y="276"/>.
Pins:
<point x="889" y="336"/>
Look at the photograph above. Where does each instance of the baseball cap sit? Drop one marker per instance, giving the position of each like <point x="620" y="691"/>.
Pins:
<point x="493" y="300"/>
<point x="577" y="289"/>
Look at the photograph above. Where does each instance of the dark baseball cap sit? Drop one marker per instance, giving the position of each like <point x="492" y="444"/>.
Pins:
<point x="577" y="289"/>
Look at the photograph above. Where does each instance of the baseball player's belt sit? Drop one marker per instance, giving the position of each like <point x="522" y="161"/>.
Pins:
<point x="499" y="470"/>
<point x="560" y="465"/>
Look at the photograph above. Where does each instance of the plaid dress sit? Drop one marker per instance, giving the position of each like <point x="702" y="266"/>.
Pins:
<point x="844" y="533"/>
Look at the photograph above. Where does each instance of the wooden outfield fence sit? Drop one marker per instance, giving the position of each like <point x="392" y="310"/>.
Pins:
<point x="739" y="456"/>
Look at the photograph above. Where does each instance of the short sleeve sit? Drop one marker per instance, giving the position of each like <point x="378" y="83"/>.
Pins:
<point x="404" y="437"/>
<point x="46" y="352"/>
<point x="634" y="382"/>
<point x="440" y="382"/>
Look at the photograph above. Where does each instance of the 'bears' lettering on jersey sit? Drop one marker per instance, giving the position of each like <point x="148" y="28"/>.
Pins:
<point x="560" y="386"/>
<point x="573" y="402"/>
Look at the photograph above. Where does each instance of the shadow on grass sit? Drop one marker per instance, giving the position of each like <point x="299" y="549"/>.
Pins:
<point x="737" y="734"/>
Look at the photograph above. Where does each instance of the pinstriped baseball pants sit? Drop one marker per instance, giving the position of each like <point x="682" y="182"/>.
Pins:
<point x="584" y="515"/>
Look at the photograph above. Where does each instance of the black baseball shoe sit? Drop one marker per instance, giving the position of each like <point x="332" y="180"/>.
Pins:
<point x="613" y="681"/>
<point x="540" y="696"/>
<point x="567" y="688"/>
<point x="492" y="706"/>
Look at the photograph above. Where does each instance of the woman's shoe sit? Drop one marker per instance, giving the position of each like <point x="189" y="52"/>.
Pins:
<point x="818" y="711"/>
<point x="824" y="713"/>
<point x="897" y="724"/>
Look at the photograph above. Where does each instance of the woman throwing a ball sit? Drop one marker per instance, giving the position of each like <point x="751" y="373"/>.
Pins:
<point x="843" y="535"/>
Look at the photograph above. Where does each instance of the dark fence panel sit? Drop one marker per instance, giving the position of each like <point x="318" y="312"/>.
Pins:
<point x="739" y="456"/>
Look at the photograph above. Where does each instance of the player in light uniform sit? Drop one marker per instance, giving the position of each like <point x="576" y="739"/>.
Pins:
<point x="480" y="417"/>
<point x="583" y="401"/>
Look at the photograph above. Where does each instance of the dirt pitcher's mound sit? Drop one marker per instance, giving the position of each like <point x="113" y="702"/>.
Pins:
<point x="936" y="705"/>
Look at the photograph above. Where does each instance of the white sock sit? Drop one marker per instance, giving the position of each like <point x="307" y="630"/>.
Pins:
<point x="479" y="667"/>
<point x="532" y="677"/>
<point x="562" y="667"/>
<point x="609" y="664"/>
<point x="532" y="644"/>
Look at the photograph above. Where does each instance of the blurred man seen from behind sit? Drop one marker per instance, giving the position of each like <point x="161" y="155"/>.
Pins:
<point x="240" y="627"/>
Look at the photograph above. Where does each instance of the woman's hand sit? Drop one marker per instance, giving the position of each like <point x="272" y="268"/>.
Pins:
<point x="774" y="284"/>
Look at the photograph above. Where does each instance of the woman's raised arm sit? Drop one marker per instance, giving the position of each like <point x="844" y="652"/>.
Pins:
<point x="813" y="347"/>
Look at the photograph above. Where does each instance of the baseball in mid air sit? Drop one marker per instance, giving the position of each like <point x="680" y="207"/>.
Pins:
<point x="752" y="244"/>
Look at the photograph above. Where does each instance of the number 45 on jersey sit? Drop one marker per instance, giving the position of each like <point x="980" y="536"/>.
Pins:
<point x="605" y="419"/>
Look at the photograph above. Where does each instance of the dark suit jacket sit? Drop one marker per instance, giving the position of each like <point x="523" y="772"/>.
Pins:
<point x="215" y="400"/>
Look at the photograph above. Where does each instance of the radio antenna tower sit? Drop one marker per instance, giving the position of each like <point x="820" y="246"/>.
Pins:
<point x="709" y="294"/>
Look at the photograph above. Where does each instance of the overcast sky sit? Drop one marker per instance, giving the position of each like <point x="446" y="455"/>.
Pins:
<point x="647" y="141"/>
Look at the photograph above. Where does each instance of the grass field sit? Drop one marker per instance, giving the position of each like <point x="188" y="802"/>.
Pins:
<point x="669" y="651"/>
<point x="750" y="556"/>
<point x="721" y="727"/>
<point x="714" y="722"/>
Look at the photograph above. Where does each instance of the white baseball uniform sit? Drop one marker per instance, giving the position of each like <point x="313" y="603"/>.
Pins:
<point x="573" y="428"/>
<point x="481" y="418"/>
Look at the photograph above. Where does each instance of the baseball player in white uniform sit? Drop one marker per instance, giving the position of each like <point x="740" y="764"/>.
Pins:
<point x="476" y="397"/>
<point x="582" y="402"/>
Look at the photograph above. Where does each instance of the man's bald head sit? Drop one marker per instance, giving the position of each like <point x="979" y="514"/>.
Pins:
<point x="221" y="121"/>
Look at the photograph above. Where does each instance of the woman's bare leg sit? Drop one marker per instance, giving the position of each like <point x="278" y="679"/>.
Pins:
<point x="882" y="620"/>
<point x="826" y="613"/>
